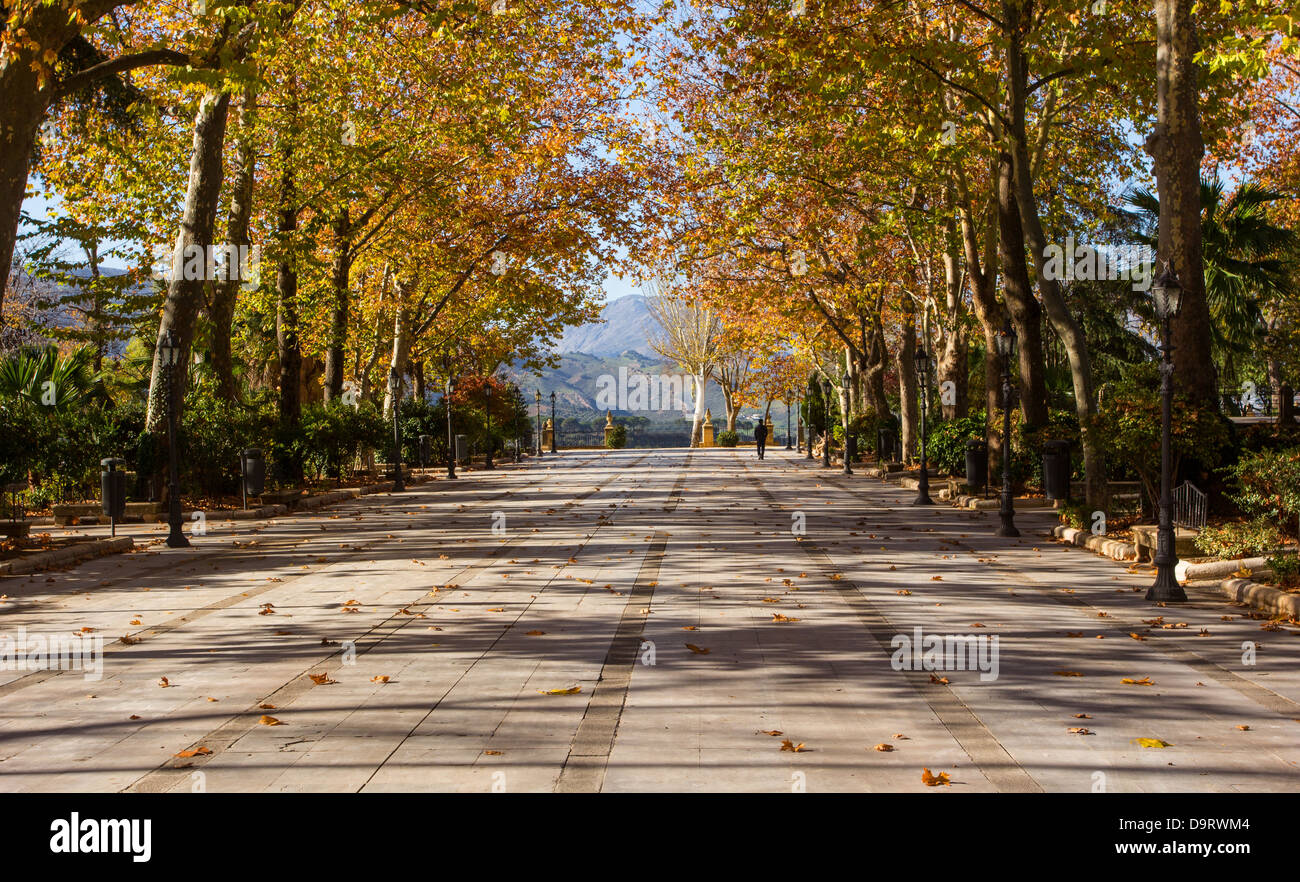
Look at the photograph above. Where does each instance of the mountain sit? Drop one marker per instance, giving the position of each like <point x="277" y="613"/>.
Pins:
<point x="626" y="328"/>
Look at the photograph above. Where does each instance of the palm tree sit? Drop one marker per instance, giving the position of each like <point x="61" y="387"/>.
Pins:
<point x="43" y="377"/>
<point x="1244" y="254"/>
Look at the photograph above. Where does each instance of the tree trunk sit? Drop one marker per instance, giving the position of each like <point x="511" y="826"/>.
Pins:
<point x="1026" y="314"/>
<point x="697" y="422"/>
<point x="1177" y="147"/>
<point x="1067" y="329"/>
<point x="185" y="296"/>
<point x="288" y="344"/>
<point x="908" y="411"/>
<point x="339" y="276"/>
<point x="221" y="310"/>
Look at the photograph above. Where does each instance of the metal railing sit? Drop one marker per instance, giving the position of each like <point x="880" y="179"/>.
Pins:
<point x="1189" y="506"/>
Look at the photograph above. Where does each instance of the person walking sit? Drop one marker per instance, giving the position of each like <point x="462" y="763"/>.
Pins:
<point x="760" y="437"/>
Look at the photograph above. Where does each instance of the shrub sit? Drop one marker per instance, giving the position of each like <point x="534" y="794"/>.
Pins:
<point x="1239" y="539"/>
<point x="1286" y="569"/>
<point x="1269" y="486"/>
<point x="727" y="438"/>
<point x="617" y="439"/>
<point x="1128" y="427"/>
<point x="945" y="444"/>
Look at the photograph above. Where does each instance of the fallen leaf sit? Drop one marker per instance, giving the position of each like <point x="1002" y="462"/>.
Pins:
<point x="198" y="751"/>
<point x="379" y="678"/>
<point x="1151" y="742"/>
<point x="940" y="680"/>
<point x="1080" y="730"/>
<point x="269" y="721"/>
<point x="1067" y="673"/>
<point x="321" y="679"/>
<point x="534" y="633"/>
<point x="938" y="780"/>
<point x="772" y="732"/>
<point x="789" y="745"/>
<point x="697" y="650"/>
<point x="1145" y="681"/>
<point x="571" y="690"/>
<point x="883" y="748"/>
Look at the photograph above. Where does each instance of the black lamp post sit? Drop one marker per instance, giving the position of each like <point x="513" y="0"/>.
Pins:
<point x="491" y="442"/>
<point x="922" y="359"/>
<point x="554" y="425"/>
<point x="395" y="390"/>
<point x="538" y="399"/>
<point x="826" y="423"/>
<point x="170" y="352"/>
<point x="515" y="401"/>
<point x="1168" y="297"/>
<point x="788" y="446"/>
<point x="1006" y="343"/>
<point x="808" y="429"/>
<point x="451" y="439"/>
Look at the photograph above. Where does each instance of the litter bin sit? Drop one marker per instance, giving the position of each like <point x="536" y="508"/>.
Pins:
<point x="112" y="487"/>
<point x="253" y="470"/>
<point x="886" y="441"/>
<point x="977" y="463"/>
<point x="426" y="450"/>
<point x="1056" y="469"/>
<point x="462" y="448"/>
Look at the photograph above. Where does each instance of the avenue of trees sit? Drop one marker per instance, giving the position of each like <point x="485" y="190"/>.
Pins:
<point x="316" y="193"/>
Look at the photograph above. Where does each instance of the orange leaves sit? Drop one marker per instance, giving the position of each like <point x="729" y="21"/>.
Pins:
<point x="789" y="745"/>
<point x="778" y="617"/>
<point x="266" y="720"/>
<point x="939" y="780"/>
<point x="698" y="650"/>
<point x="1145" y="681"/>
<point x="1068" y="673"/>
<point x="198" y="751"/>
<point x="321" y="679"/>
<point x="884" y="747"/>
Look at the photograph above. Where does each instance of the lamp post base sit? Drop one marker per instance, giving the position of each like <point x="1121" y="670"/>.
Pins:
<point x="176" y="538"/>
<point x="1166" y="588"/>
<point x="1007" y="531"/>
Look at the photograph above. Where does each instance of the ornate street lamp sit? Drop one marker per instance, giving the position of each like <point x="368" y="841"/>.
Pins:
<point x="1006" y="345"/>
<point x="788" y="445"/>
<point x="538" y="399"/>
<point x="491" y="442"/>
<point x="554" y="425"/>
<point x="808" y="429"/>
<point x="922" y="359"/>
<point x="451" y="439"/>
<point x="826" y="423"/>
<point x="1168" y="297"/>
<point x="849" y="441"/>
<point x="395" y="392"/>
<point x="169" y="352"/>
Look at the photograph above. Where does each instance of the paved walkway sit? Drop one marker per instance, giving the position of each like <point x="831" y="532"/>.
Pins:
<point x="640" y="620"/>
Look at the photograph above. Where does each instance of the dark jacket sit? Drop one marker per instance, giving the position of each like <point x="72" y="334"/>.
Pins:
<point x="760" y="433"/>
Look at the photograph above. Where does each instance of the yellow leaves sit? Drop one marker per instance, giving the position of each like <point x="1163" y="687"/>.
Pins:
<point x="1136" y="636"/>
<point x="1145" y="681"/>
<point x="1151" y="742"/>
<point x="164" y="682"/>
<point x="379" y="678"/>
<point x="321" y="679"/>
<point x="789" y="745"/>
<point x="942" y="681"/>
<point x="570" y="690"/>
<point x="939" y="780"/>
<point x="883" y="748"/>
<point x="1080" y="730"/>
<point x="1244" y="728"/>
<point x="904" y="592"/>
<point x="772" y="732"/>
<point x="778" y="617"/>
<point x="1067" y="673"/>
<point x="198" y="751"/>
<point x="698" y="650"/>
<point x="771" y="600"/>
<point x="269" y="721"/>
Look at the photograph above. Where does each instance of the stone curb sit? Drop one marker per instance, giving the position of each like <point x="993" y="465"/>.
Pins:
<point x="1112" y="548"/>
<point x="62" y="556"/>
<point x="1263" y="597"/>
<point x="1216" y="569"/>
